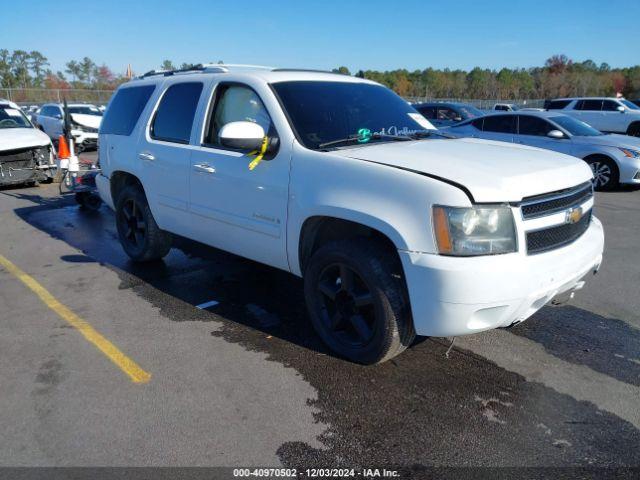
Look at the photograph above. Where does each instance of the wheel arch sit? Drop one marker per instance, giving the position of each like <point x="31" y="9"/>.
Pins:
<point x="318" y="230"/>
<point x="119" y="180"/>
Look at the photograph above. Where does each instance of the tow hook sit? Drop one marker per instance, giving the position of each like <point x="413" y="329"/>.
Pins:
<point x="567" y="296"/>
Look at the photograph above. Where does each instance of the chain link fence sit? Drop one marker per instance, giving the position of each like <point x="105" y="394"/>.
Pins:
<point x="483" y="104"/>
<point x="29" y="96"/>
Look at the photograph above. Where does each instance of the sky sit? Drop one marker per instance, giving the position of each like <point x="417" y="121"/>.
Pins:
<point x="376" y="35"/>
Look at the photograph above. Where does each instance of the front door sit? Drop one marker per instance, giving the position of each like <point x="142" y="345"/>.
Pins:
<point x="533" y="131"/>
<point x="233" y="208"/>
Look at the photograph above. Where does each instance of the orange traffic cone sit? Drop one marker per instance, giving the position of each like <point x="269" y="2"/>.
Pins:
<point x="63" y="148"/>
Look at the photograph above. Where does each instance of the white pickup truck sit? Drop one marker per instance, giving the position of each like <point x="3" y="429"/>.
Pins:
<point x="397" y="229"/>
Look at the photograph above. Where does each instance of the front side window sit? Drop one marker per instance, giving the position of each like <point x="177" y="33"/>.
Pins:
<point x="529" y="125"/>
<point x="236" y="103"/>
<point x="341" y="114"/>
<point x="500" y="123"/>
<point x="174" y="117"/>
<point x="575" y="127"/>
<point x="610" y="106"/>
<point x="13" y="118"/>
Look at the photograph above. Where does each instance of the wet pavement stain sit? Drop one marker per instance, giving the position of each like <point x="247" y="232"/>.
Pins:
<point x="420" y="409"/>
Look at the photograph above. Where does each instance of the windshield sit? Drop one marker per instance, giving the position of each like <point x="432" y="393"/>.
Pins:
<point x="13" y="118"/>
<point x="630" y="105"/>
<point x="576" y="127"/>
<point x="328" y="112"/>
<point x="85" y="110"/>
<point x="469" y="111"/>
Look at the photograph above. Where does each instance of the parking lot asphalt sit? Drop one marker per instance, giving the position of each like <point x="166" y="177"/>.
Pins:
<point x="246" y="382"/>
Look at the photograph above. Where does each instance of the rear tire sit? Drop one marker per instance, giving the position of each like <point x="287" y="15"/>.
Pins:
<point x="139" y="234"/>
<point x="606" y="176"/>
<point x="357" y="302"/>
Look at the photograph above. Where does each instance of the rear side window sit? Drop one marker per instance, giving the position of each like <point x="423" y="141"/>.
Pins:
<point x="500" y="123"/>
<point x="557" y="104"/>
<point x="174" y="118"/>
<point x="125" y="109"/>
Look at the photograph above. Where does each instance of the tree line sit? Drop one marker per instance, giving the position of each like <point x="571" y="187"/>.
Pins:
<point x="22" y="69"/>
<point x="558" y="77"/>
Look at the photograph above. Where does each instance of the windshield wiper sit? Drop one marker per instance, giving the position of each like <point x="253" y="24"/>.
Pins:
<point x="356" y="138"/>
<point x="430" y="133"/>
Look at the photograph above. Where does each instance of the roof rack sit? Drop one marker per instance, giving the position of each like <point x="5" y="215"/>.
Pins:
<point x="205" y="68"/>
<point x="311" y="70"/>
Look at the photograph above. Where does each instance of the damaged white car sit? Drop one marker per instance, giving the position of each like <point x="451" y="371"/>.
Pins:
<point x="85" y="122"/>
<point x="26" y="154"/>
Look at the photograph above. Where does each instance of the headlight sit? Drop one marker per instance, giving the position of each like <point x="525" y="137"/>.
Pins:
<point x="629" y="153"/>
<point x="486" y="230"/>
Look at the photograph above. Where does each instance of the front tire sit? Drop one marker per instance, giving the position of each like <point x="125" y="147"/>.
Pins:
<point x="605" y="173"/>
<point x="357" y="300"/>
<point x="139" y="234"/>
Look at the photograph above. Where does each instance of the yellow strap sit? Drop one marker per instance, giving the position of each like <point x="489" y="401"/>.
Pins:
<point x="263" y="149"/>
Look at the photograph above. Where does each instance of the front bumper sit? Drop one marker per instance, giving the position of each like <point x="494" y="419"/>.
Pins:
<point x="629" y="170"/>
<point x="452" y="296"/>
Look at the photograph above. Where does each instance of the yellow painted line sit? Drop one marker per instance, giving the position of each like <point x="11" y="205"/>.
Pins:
<point x="128" y="366"/>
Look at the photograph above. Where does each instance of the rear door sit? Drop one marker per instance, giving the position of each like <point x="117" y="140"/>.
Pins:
<point x="233" y="208"/>
<point x="164" y="154"/>
<point x="533" y="131"/>
<point x="499" y="127"/>
<point x="590" y="111"/>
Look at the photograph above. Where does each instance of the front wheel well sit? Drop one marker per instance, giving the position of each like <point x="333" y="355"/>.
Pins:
<point x="601" y="157"/>
<point x="318" y="231"/>
<point x="120" y="180"/>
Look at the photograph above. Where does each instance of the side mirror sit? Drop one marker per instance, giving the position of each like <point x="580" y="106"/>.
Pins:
<point x="557" y="134"/>
<point x="621" y="109"/>
<point x="242" y="135"/>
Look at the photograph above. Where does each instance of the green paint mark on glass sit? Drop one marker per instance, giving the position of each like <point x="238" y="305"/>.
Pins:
<point x="364" y="135"/>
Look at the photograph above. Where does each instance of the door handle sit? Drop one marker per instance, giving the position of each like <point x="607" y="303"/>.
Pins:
<point x="146" y="156"/>
<point x="204" y="167"/>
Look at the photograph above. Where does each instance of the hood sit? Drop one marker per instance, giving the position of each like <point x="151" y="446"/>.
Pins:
<point x="14" y="138"/>
<point x="612" y="140"/>
<point x="491" y="171"/>
<point x="92" y="121"/>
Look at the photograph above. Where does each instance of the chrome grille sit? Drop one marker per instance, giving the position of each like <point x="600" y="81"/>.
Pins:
<point x="556" y="236"/>
<point x="547" y="204"/>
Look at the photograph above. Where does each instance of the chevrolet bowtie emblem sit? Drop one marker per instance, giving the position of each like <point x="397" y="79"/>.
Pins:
<point x="574" y="215"/>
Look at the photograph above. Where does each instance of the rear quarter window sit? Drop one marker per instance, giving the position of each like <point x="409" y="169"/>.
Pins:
<point x="557" y="104"/>
<point x="125" y="109"/>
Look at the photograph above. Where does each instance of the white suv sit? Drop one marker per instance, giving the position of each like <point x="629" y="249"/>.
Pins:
<point x="612" y="115"/>
<point x="396" y="229"/>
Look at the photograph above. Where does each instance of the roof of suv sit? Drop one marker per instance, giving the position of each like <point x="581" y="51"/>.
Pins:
<point x="586" y="98"/>
<point x="268" y="74"/>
